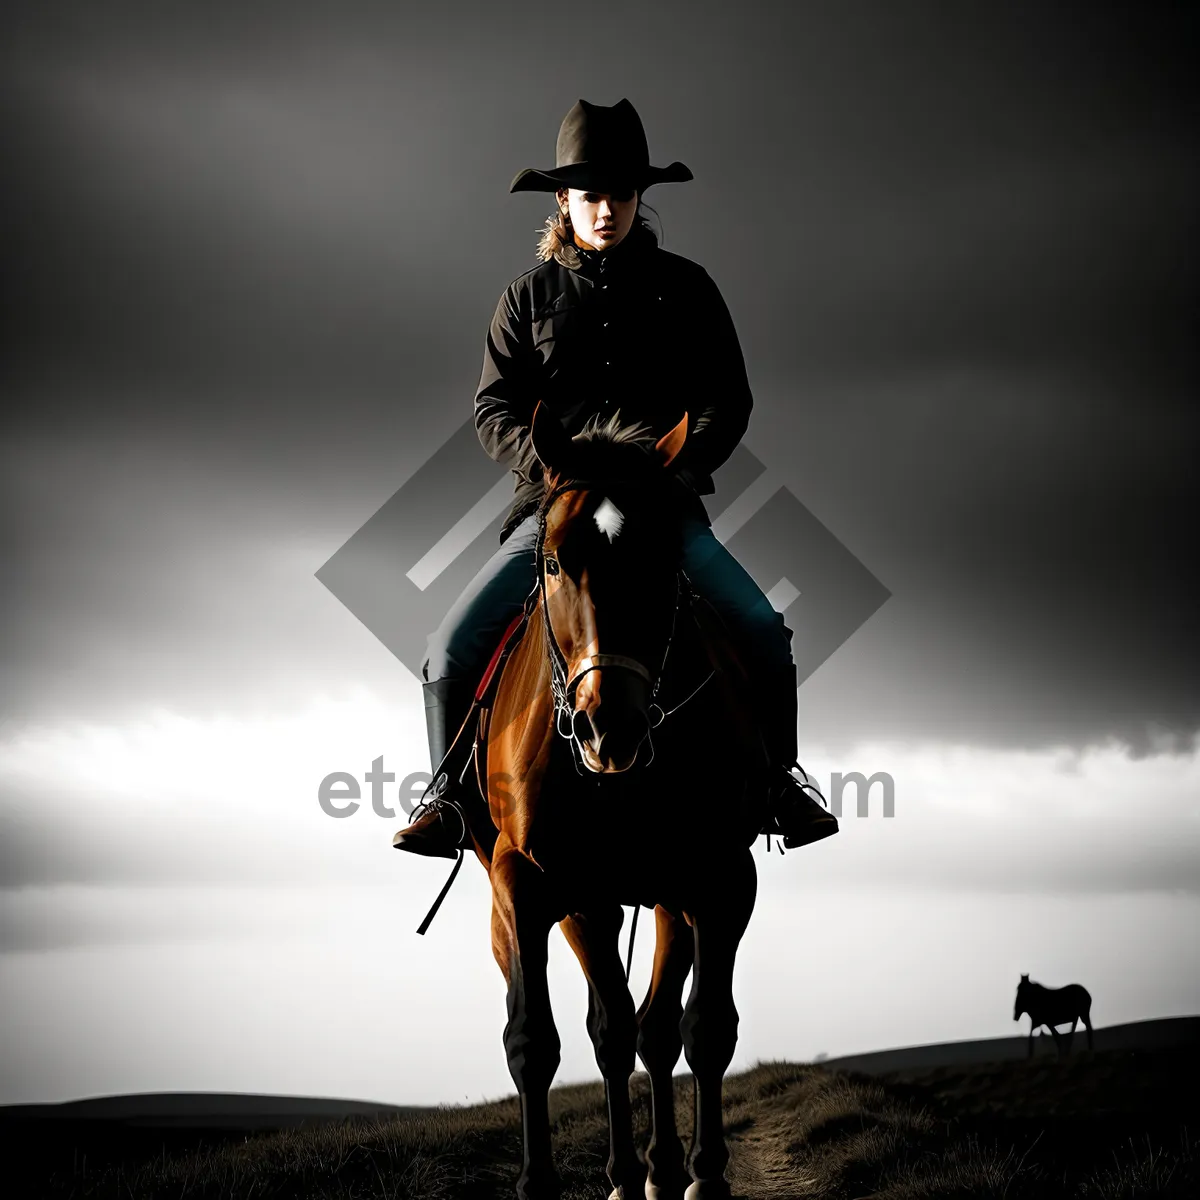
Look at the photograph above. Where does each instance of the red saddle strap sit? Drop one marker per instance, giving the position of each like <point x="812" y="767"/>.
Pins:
<point x="497" y="654"/>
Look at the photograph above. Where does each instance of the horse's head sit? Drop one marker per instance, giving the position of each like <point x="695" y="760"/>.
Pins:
<point x="609" y="556"/>
<point x="1022" y="1002"/>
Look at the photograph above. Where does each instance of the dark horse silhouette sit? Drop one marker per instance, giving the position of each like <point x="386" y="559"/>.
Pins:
<point x="1054" y="1006"/>
<point x="601" y="794"/>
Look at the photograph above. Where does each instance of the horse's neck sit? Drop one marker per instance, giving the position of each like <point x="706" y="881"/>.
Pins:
<point x="527" y="671"/>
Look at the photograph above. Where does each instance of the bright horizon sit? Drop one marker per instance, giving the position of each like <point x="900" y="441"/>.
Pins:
<point x="243" y="915"/>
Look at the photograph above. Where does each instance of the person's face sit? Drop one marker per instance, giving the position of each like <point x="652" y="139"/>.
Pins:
<point x="600" y="219"/>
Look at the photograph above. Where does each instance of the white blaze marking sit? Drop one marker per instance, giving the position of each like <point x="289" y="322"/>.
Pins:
<point x="608" y="518"/>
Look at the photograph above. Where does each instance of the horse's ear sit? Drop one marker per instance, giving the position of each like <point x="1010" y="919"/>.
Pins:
<point x="671" y="442"/>
<point x="552" y="444"/>
<point x="1024" y="978"/>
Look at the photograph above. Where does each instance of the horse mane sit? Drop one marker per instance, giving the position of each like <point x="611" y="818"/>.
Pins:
<point x="609" y="436"/>
<point x="615" y="431"/>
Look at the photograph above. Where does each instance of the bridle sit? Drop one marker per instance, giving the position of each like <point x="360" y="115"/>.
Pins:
<point x="564" y="684"/>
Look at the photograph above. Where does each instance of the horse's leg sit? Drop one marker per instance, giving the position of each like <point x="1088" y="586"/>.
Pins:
<point x="1058" y="1042"/>
<point x="659" y="1045"/>
<point x="710" y="1019"/>
<point x="593" y="937"/>
<point x="1071" y="1033"/>
<point x="521" y="921"/>
<point x="1087" y="1021"/>
<point x="1032" y="1027"/>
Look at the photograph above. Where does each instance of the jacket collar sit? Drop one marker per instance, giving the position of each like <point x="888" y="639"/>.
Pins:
<point x="627" y="254"/>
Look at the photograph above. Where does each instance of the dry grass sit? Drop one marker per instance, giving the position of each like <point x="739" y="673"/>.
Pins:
<point x="1144" y="1169"/>
<point x="795" y="1131"/>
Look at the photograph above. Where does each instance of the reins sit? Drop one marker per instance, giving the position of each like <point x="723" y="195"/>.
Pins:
<point x="563" y="686"/>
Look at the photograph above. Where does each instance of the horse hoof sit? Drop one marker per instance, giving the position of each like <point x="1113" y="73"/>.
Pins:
<point x="709" y="1189"/>
<point x="654" y="1192"/>
<point x="670" y="1184"/>
<point x="549" y="1188"/>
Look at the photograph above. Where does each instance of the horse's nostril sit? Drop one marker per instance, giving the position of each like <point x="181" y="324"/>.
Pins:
<point x="621" y="743"/>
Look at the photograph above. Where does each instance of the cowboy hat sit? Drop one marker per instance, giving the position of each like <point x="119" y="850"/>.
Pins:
<point x="600" y="149"/>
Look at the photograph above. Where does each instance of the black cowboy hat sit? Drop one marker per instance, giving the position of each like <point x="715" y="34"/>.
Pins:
<point x="600" y="149"/>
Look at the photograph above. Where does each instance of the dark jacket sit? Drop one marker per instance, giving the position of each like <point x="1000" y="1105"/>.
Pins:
<point x="635" y="328"/>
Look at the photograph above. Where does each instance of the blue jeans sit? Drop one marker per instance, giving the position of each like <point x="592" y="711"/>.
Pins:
<point x="469" y="633"/>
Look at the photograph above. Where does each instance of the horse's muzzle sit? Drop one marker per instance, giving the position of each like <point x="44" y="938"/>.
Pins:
<point x="611" y="719"/>
<point x="607" y="748"/>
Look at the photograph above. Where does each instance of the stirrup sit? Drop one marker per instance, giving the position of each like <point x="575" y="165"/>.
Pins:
<point x="436" y="802"/>
<point x="805" y="785"/>
<point x="433" y="791"/>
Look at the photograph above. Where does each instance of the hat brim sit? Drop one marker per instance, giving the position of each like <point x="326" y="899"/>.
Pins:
<point x="594" y="178"/>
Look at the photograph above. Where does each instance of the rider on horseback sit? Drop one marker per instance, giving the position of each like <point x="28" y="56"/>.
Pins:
<point x="609" y="319"/>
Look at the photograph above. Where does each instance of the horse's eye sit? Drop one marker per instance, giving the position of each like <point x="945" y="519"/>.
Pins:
<point x="551" y="566"/>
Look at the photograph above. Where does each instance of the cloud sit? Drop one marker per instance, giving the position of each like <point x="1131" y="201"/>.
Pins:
<point x="1100" y="819"/>
<point x="193" y="800"/>
<point x="233" y="800"/>
<point x="257" y="262"/>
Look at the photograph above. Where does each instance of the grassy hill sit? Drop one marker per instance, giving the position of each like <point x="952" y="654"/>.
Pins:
<point x="1114" y="1124"/>
<point x="199" y="1110"/>
<point x="1166" y="1033"/>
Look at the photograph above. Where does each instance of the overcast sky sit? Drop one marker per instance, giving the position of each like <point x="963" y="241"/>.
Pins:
<point x="252" y="254"/>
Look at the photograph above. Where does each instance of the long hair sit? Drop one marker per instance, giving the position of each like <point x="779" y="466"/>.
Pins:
<point x="557" y="238"/>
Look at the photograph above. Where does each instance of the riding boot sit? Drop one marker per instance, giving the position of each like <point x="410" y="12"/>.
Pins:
<point x="441" y="824"/>
<point x="792" y="813"/>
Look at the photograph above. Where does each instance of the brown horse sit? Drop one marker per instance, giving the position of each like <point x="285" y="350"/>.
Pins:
<point x="602" y="794"/>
